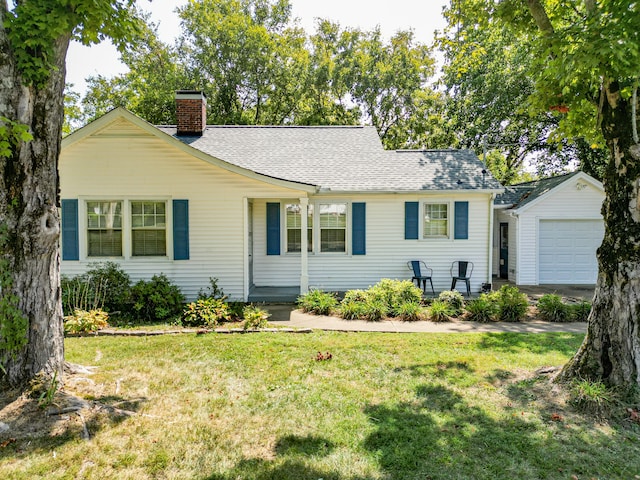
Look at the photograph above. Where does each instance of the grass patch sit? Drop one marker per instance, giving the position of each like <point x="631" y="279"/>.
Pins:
<point x="446" y="406"/>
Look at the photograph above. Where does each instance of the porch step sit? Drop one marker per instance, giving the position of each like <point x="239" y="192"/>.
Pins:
<point x="274" y="294"/>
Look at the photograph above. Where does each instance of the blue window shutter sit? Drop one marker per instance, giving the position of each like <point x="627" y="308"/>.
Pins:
<point x="358" y="228"/>
<point x="410" y="220"/>
<point x="273" y="229"/>
<point x="181" y="229"/>
<point x="461" y="221"/>
<point x="70" y="243"/>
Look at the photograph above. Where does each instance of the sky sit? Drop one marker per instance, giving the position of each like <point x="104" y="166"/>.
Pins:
<point x="422" y="16"/>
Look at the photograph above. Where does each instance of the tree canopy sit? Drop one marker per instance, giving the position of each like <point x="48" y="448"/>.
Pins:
<point x="488" y="74"/>
<point x="257" y="66"/>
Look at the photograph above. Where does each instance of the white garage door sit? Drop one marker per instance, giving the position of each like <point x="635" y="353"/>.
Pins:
<point x="567" y="251"/>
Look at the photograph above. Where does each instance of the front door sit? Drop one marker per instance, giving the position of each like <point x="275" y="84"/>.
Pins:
<point x="504" y="250"/>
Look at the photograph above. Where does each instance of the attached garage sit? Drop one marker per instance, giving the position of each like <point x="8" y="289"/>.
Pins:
<point x="567" y="251"/>
<point x="548" y="231"/>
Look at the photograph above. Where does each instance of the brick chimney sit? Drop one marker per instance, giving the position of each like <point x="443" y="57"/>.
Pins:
<point x="191" y="112"/>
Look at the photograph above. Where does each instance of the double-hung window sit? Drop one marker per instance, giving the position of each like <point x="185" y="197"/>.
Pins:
<point x="294" y="227"/>
<point x="104" y="229"/>
<point x="333" y="227"/>
<point x="436" y="220"/>
<point x="148" y="229"/>
<point x="122" y="228"/>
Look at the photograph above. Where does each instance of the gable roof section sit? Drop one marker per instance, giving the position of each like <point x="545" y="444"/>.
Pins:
<point x="522" y="196"/>
<point x="119" y="113"/>
<point x="340" y="159"/>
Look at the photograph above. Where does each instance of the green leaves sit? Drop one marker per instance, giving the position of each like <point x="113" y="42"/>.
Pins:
<point x="35" y="26"/>
<point x="12" y="134"/>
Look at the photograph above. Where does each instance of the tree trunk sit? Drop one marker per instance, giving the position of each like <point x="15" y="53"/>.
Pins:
<point x="611" y="349"/>
<point x="29" y="208"/>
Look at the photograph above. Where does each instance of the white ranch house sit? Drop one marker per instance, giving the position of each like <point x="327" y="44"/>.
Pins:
<point x="194" y="202"/>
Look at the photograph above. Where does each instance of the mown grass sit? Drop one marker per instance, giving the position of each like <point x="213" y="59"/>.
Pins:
<point x="386" y="406"/>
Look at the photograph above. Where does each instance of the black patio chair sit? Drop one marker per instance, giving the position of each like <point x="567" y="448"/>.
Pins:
<point x="421" y="273"/>
<point x="461" y="270"/>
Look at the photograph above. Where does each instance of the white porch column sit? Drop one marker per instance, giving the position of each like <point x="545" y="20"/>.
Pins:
<point x="304" y="243"/>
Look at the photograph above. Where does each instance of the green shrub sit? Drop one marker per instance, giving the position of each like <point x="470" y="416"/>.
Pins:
<point x="482" y="309"/>
<point x="317" y="302"/>
<point x="393" y="293"/>
<point x="371" y="309"/>
<point x="255" y="317"/>
<point x="580" y="311"/>
<point x="356" y="296"/>
<point x="454" y="299"/>
<point x="512" y="304"/>
<point x="206" y="312"/>
<point x="104" y="285"/>
<point x="410" y="312"/>
<point x="235" y="310"/>
<point x="551" y="308"/>
<point x="212" y="291"/>
<point x="117" y="286"/>
<point x="83" y="321"/>
<point x="593" y="397"/>
<point x="440" y="311"/>
<point x="157" y="299"/>
<point x="78" y="294"/>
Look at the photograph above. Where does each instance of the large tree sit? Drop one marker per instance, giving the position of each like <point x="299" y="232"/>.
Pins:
<point x="588" y="54"/>
<point x="34" y="36"/>
<point x="488" y="76"/>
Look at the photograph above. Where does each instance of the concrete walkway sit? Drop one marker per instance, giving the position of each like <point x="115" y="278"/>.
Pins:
<point x="287" y="316"/>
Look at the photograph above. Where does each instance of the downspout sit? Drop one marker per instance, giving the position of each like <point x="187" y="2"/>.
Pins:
<point x="490" y="256"/>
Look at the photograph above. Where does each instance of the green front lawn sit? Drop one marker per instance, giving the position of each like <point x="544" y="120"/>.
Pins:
<point x="385" y="406"/>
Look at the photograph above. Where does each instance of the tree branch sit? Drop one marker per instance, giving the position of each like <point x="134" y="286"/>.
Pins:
<point x="540" y="16"/>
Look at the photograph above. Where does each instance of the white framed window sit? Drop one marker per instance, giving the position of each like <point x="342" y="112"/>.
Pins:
<point x="333" y="227"/>
<point x="148" y="229"/>
<point x="104" y="228"/>
<point x="293" y="225"/>
<point x="436" y="219"/>
<point x="127" y="228"/>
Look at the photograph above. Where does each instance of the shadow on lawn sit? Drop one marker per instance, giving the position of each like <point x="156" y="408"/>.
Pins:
<point x="540" y="343"/>
<point x="34" y="429"/>
<point x="296" y="453"/>
<point x="441" y="435"/>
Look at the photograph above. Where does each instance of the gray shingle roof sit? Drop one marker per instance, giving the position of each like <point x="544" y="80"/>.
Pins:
<point x="341" y="159"/>
<point x="520" y="194"/>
